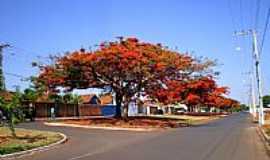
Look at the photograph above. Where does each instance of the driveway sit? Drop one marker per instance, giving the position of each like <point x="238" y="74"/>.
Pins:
<point x="231" y="138"/>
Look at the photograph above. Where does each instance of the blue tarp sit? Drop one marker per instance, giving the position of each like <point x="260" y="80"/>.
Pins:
<point x="108" y="110"/>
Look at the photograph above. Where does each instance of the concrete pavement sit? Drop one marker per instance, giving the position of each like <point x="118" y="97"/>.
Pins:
<point x="231" y="138"/>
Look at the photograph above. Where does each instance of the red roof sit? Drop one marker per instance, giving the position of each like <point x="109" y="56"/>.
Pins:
<point x="7" y="95"/>
<point x="106" y="99"/>
<point x="87" y="98"/>
<point x="43" y="98"/>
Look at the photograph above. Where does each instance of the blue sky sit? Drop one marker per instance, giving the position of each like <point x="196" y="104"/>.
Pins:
<point x="36" y="29"/>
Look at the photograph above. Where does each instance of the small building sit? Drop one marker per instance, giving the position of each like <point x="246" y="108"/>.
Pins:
<point x="142" y="108"/>
<point x="6" y="95"/>
<point x="149" y="107"/>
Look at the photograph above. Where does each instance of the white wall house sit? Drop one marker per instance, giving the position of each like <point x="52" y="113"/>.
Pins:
<point x="152" y="108"/>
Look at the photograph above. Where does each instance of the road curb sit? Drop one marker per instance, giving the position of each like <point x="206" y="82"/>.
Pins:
<point x="38" y="149"/>
<point x="104" y="128"/>
<point x="265" y="138"/>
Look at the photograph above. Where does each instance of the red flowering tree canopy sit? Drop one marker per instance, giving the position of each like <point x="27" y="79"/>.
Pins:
<point x="202" y="91"/>
<point x="206" y="92"/>
<point x="129" y="67"/>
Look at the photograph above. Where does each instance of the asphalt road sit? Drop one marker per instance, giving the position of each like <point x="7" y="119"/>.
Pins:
<point x="231" y="138"/>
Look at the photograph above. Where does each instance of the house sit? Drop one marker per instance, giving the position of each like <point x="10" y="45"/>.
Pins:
<point x="90" y="99"/>
<point x="142" y="107"/>
<point x="6" y="95"/>
<point x="149" y="107"/>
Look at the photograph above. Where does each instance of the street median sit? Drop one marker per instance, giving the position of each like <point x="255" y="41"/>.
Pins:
<point x="27" y="142"/>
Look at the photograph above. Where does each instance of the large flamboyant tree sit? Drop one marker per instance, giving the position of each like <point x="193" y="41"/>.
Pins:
<point x="129" y="67"/>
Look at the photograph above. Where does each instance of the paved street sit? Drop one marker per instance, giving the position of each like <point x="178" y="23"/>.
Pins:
<point x="232" y="138"/>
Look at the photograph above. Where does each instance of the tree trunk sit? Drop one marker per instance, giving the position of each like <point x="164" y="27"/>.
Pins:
<point x="10" y="122"/>
<point x="118" y="112"/>
<point x="189" y="108"/>
<point x="125" y="111"/>
<point x="12" y="129"/>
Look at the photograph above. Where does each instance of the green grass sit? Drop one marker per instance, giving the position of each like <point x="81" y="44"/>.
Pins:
<point x="190" y="120"/>
<point x="25" y="140"/>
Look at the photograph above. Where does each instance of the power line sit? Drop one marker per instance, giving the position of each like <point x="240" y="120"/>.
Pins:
<point x="25" y="51"/>
<point x="15" y="75"/>
<point x="265" y="30"/>
<point x="241" y="14"/>
<point x="251" y="13"/>
<point x="258" y="7"/>
<point x="234" y="20"/>
<point x="231" y="14"/>
<point x="28" y="53"/>
<point x="22" y="78"/>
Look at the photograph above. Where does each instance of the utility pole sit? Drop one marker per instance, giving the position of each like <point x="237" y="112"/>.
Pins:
<point x="258" y="76"/>
<point x="2" y="78"/>
<point x="256" y="56"/>
<point x="251" y="94"/>
<point x="254" y="107"/>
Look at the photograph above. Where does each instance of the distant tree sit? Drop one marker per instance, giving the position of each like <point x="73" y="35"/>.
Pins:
<point x="56" y="98"/>
<point x="266" y="100"/>
<point x="72" y="98"/>
<point x="201" y="91"/>
<point x="244" y="107"/>
<point x="204" y="92"/>
<point x="30" y="95"/>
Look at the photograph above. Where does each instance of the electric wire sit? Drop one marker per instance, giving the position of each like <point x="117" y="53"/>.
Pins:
<point x="265" y="31"/>
<point x="257" y="13"/>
